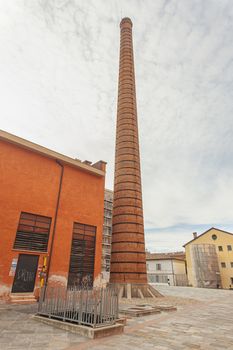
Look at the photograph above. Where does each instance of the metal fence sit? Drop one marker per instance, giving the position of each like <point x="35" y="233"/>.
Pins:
<point x="92" y="307"/>
<point x="171" y="279"/>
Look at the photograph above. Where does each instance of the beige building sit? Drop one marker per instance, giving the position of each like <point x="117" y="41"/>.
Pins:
<point x="209" y="258"/>
<point x="107" y="234"/>
<point x="166" y="268"/>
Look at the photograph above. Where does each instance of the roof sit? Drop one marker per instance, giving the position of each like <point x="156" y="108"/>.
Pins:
<point x="96" y="169"/>
<point x="202" y="234"/>
<point x="166" y="256"/>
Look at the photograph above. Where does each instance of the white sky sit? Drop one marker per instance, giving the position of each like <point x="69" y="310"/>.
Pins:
<point x="58" y="88"/>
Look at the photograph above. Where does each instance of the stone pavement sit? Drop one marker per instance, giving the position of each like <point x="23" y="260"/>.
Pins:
<point x="204" y="324"/>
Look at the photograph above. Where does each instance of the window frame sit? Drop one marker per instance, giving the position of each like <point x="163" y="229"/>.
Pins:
<point x="82" y="255"/>
<point x="24" y="239"/>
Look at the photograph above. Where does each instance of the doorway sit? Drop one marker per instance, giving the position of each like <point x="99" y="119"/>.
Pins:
<point x="25" y="274"/>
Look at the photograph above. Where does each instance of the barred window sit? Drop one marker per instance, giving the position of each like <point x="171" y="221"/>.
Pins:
<point x="82" y="255"/>
<point x="32" y="233"/>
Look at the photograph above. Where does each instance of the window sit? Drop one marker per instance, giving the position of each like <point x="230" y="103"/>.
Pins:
<point x="152" y="278"/>
<point x="223" y="264"/>
<point x="32" y="232"/>
<point x="231" y="280"/>
<point x="214" y="237"/>
<point x="107" y="221"/>
<point x="220" y="248"/>
<point x="106" y="240"/>
<point x="229" y="247"/>
<point x="107" y="265"/>
<point x="107" y="213"/>
<point x="232" y="264"/>
<point x="82" y="256"/>
<point x="107" y="230"/>
<point x="108" y="204"/>
<point x="158" y="267"/>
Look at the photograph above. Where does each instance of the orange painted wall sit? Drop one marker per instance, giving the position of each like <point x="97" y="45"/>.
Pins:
<point x="29" y="182"/>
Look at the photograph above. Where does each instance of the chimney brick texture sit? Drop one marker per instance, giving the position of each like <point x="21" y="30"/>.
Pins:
<point x="128" y="259"/>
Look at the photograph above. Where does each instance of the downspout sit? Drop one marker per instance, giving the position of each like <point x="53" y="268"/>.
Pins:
<point x="55" y="222"/>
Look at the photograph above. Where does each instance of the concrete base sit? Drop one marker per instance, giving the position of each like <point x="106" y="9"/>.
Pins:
<point x="144" y="310"/>
<point x="122" y="320"/>
<point x="138" y="311"/>
<point x="167" y="308"/>
<point x="85" y="331"/>
<point x="133" y="290"/>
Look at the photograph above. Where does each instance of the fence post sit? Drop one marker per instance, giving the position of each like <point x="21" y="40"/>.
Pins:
<point x="115" y="293"/>
<point x="100" y="306"/>
<point x="65" y="303"/>
<point x="50" y="301"/>
<point x="80" y="305"/>
<point x="41" y="298"/>
<point x="95" y="308"/>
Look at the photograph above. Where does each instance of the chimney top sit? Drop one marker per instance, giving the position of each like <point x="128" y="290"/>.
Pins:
<point x="126" y="22"/>
<point x="194" y="235"/>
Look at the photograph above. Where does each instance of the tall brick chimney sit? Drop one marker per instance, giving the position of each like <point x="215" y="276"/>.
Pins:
<point x="128" y="258"/>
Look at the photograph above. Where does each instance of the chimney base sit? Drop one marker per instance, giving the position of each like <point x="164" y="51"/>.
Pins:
<point x="134" y="290"/>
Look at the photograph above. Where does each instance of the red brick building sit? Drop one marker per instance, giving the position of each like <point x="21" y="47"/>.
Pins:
<point x="51" y="217"/>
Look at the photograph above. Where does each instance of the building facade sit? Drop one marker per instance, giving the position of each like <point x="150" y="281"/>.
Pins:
<point x="166" y="268"/>
<point x="210" y="259"/>
<point x="107" y="235"/>
<point x="51" y="217"/>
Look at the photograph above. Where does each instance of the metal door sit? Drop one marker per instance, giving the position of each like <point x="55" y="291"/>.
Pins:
<point x="25" y="274"/>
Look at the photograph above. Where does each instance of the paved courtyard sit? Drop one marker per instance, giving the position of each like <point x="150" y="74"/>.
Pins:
<point x="204" y="320"/>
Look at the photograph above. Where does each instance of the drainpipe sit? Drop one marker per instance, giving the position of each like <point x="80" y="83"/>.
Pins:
<point x="55" y="222"/>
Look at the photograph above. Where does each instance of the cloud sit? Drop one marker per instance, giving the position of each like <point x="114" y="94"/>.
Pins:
<point x="59" y="70"/>
<point x="173" y="238"/>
